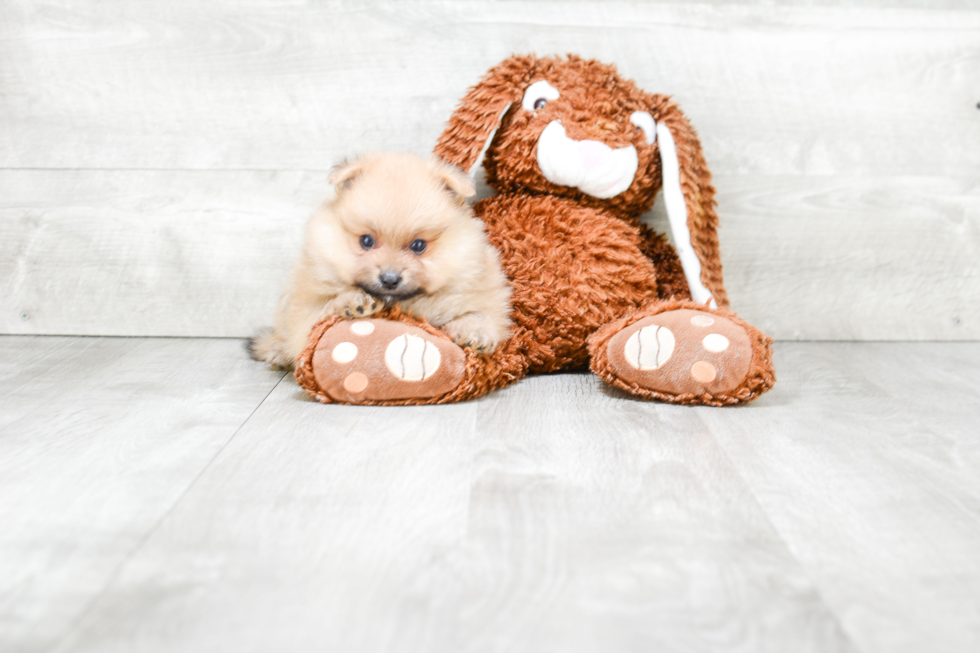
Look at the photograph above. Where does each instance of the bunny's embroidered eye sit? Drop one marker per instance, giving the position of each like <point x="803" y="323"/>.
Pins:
<point x="538" y="94"/>
<point x="645" y="121"/>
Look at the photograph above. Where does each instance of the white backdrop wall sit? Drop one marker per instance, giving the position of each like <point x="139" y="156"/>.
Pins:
<point x="158" y="160"/>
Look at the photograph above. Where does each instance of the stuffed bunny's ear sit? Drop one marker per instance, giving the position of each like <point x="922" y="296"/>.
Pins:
<point x="472" y="126"/>
<point x="690" y="201"/>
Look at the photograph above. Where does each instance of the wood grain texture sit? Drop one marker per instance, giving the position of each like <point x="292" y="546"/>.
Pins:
<point x="206" y="253"/>
<point x="866" y="459"/>
<point x="271" y="85"/>
<point x="840" y="512"/>
<point x="324" y="527"/>
<point x="599" y="522"/>
<point x="853" y="258"/>
<point x="892" y="4"/>
<point x="839" y="137"/>
<point x="99" y="438"/>
<point x="149" y="252"/>
<point x="552" y="516"/>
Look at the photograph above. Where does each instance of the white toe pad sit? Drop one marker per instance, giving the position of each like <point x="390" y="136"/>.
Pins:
<point x="649" y="348"/>
<point x="411" y="358"/>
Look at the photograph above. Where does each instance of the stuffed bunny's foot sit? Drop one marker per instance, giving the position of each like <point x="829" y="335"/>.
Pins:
<point x="382" y="361"/>
<point x="688" y="356"/>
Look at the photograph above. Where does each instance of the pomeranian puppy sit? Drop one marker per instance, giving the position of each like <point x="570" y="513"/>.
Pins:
<point x="398" y="231"/>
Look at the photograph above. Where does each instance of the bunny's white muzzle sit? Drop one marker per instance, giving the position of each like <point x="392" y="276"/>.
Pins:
<point x="593" y="167"/>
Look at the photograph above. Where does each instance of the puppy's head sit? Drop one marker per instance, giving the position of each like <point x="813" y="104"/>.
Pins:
<point x="400" y="225"/>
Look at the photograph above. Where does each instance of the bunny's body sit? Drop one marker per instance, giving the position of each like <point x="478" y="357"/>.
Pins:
<point x="573" y="269"/>
<point x="576" y="155"/>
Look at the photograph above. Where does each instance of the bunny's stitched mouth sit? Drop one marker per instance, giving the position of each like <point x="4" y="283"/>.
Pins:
<point x="590" y="166"/>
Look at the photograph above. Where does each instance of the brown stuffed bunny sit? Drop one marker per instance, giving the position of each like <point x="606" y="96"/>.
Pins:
<point x="576" y="154"/>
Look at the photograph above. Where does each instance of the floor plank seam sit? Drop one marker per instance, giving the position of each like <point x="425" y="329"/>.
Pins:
<point x="804" y="570"/>
<point x="73" y="625"/>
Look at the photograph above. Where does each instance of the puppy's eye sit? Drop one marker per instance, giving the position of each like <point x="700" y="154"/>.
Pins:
<point x="418" y="245"/>
<point x="367" y="241"/>
<point x="539" y="103"/>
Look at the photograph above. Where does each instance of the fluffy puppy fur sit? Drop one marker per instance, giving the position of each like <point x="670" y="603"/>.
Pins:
<point x="399" y="230"/>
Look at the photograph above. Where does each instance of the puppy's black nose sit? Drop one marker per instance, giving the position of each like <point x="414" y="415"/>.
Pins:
<point x="389" y="279"/>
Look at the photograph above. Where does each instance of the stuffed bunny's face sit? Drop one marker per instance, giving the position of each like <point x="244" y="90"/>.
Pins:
<point x="579" y="130"/>
<point x="573" y="128"/>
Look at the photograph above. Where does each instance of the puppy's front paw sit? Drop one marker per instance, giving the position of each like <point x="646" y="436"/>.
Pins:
<point x="473" y="331"/>
<point x="357" y="303"/>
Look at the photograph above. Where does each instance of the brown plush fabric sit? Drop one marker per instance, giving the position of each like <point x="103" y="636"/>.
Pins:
<point x="574" y="269"/>
<point x="365" y="372"/>
<point x="756" y="377"/>
<point x="480" y="373"/>
<point x="670" y="274"/>
<point x="669" y="354"/>
<point x="583" y="268"/>
<point x="596" y="105"/>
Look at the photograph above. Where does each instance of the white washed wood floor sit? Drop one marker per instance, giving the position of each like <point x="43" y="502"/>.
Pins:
<point x="172" y="495"/>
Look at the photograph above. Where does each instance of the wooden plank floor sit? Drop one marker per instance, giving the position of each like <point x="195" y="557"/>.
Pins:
<point x="171" y="495"/>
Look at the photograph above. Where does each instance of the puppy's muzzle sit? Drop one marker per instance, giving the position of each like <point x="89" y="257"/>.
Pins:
<point x="389" y="280"/>
<point x="390" y="287"/>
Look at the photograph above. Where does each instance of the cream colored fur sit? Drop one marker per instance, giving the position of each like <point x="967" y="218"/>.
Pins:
<point x="456" y="283"/>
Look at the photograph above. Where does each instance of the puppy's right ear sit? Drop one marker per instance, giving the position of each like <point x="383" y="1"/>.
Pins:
<point x="476" y="119"/>
<point x="458" y="183"/>
<point x="343" y="174"/>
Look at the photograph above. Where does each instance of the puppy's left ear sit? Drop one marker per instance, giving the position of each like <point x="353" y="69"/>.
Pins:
<point x="343" y="174"/>
<point x="457" y="181"/>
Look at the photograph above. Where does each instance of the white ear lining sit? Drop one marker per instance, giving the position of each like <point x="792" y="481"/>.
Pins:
<point x="486" y="146"/>
<point x="677" y="215"/>
<point x="645" y="121"/>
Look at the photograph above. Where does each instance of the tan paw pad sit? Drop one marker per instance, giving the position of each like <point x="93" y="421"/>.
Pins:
<point x="355" y="382"/>
<point x="684" y="351"/>
<point x="703" y="372"/>
<point x="381" y="360"/>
